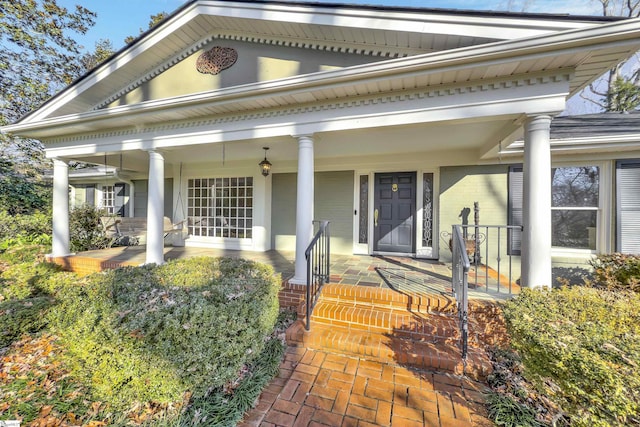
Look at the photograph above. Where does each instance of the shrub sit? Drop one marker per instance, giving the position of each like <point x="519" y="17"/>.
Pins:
<point x="85" y="230"/>
<point x="616" y="272"/>
<point x="24" y="229"/>
<point x="26" y="286"/>
<point x="153" y="333"/>
<point x="19" y="281"/>
<point x="21" y="317"/>
<point x="581" y="347"/>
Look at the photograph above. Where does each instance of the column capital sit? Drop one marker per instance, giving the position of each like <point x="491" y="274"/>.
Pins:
<point x="303" y="136"/>
<point x="154" y="151"/>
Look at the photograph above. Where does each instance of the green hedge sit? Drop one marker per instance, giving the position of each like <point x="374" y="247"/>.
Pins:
<point x="24" y="229"/>
<point x="581" y="347"/>
<point x="153" y="333"/>
<point x="616" y="272"/>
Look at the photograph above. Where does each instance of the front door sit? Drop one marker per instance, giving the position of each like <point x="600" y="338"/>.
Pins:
<point x="394" y="212"/>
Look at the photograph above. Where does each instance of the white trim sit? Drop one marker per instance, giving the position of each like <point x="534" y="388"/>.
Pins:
<point x="605" y="210"/>
<point x="261" y="219"/>
<point x="622" y="33"/>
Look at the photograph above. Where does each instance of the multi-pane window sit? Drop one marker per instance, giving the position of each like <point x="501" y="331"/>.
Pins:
<point x="220" y="207"/>
<point x="108" y="199"/>
<point x="574" y="206"/>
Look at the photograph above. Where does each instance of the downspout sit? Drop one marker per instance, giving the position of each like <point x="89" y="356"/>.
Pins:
<point x="132" y="188"/>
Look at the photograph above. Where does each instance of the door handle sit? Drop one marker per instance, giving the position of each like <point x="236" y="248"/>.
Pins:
<point x="375" y="217"/>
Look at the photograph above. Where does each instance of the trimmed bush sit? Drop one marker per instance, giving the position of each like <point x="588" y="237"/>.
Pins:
<point x="581" y="347"/>
<point x="616" y="272"/>
<point x="154" y="333"/>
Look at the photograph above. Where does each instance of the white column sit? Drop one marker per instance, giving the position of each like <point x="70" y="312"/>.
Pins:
<point x="536" y="237"/>
<point x="60" y="210"/>
<point x="155" y="209"/>
<point x="304" y="207"/>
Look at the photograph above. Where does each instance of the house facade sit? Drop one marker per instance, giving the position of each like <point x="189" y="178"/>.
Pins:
<point x="389" y="122"/>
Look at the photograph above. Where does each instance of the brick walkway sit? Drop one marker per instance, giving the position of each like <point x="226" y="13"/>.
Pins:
<point x="317" y="388"/>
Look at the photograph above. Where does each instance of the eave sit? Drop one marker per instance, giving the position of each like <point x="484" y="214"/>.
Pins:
<point x="586" y="53"/>
<point x="363" y="30"/>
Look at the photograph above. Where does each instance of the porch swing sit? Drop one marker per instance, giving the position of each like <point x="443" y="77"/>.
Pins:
<point x="177" y="227"/>
<point x="131" y="230"/>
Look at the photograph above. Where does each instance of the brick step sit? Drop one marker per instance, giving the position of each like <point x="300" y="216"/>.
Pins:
<point x="400" y="322"/>
<point x="390" y="348"/>
<point x="388" y="298"/>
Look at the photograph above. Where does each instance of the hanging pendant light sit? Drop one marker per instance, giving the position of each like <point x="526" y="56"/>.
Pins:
<point x="265" y="165"/>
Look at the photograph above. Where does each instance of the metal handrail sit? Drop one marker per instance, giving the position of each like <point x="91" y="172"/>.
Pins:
<point x="318" y="261"/>
<point x="460" y="284"/>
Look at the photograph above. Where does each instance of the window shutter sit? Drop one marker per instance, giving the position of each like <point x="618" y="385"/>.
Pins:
<point x="119" y="206"/>
<point x="515" y="208"/>
<point x="628" y="206"/>
<point x="90" y="195"/>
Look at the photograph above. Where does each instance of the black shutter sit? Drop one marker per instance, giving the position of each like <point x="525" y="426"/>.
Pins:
<point x="119" y="203"/>
<point x="628" y="206"/>
<point x="515" y="208"/>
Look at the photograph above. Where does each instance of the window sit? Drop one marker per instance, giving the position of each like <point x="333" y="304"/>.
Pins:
<point x="220" y="207"/>
<point x="108" y="199"/>
<point x="574" y="206"/>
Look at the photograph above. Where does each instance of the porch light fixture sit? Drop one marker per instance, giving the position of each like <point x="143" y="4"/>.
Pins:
<point x="265" y="165"/>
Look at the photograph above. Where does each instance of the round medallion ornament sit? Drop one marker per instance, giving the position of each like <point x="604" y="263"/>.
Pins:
<point x="216" y="59"/>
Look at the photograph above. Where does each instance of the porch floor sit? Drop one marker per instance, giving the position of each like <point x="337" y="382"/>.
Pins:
<point x="402" y="274"/>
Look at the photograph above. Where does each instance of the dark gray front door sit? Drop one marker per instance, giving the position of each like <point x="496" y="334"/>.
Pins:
<point x="394" y="212"/>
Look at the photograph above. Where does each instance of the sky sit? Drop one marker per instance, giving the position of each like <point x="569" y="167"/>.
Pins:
<point x="118" y="19"/>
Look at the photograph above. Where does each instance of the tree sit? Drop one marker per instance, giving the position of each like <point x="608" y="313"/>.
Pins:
<point x="103" y="51"/>
<point x="38" y="57"/>
<point x="621" y="91"/>
<point x="153" y="21"/>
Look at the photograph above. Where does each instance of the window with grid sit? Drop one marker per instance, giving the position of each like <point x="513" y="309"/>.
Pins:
<point x="109" y="199"/>
<point x="220" y="207"/>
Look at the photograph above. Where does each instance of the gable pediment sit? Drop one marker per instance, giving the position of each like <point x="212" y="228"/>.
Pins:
<point x="355" y="31"/>
<point x="254" y="63"/>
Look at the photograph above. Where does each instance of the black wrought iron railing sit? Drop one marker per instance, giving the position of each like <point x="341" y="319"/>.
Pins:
<point x="491" y="259"/>
<point x="460" y="283"/>
<point x="493" y="252"/>
<point x="318" y="261"/>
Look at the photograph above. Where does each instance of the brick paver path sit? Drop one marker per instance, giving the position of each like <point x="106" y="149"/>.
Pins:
<point x="317" y="388"/>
